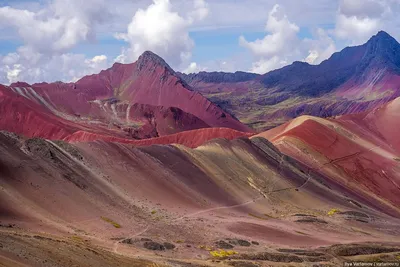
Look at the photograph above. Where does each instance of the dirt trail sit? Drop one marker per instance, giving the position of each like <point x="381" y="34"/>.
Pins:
<point x="116" y="244"/>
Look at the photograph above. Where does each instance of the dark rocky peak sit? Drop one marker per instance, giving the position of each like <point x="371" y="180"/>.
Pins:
<point x="382" y="51"/>
<point x="383" y="41"/>
<point x="383" y="44"/>
<point x="382" y="36"/>
<point x="150" y="60"/>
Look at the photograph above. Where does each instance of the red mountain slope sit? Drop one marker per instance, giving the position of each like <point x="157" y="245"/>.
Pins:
<point x="148" y="81"/>
<point x="24" y="116"/>
<point x="360" y="151"/>
<point x="20" y="115"/>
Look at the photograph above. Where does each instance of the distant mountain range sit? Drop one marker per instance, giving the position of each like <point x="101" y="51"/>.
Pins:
<point x="352" y="80"/>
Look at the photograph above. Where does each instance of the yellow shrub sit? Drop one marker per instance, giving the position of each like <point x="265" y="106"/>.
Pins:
<point x="222" y="253"/>
<point x="77" y="238"/>
<point x="333" y="211"/>
<point x="205" y="247"/>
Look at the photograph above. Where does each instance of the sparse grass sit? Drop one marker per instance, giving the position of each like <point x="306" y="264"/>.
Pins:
<point x="77" y="238"/>
<point x="116" y="225"/>
<point x="205" y="247"/>
<point x="257" y="216"/>
<point x="359" y="231"/>
<point x="158" y="218"/>
<point x="300" y="233"/>
<point x="153" y="212"/>
<point x="179" y="241"/>
<point x="222" y="253"/>
<point x="269" y="216"/>
<point x="333" y="211"/>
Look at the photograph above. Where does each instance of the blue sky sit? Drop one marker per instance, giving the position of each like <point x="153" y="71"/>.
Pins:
<point x="67" y="39"/>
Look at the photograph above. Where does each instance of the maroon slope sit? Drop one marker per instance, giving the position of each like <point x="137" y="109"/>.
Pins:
<point x="148" y="81"/>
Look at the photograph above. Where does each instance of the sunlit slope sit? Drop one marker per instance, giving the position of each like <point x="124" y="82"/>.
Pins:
<point x="135" y="187"/>
<point x="359" y="151"/>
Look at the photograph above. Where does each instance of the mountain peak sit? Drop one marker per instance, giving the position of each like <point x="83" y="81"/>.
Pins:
<point x="149" y="58"/>
<point x="382" y="34"/>
<point x="382" y="52"/>
<point x="382" y="37"/>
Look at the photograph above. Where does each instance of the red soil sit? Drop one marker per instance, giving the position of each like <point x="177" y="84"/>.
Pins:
<point x="193" y="138"/>
<point x="148" y="81"/>
<point x="360" y="149"/>
<point x="386" y="85"/>
<point x="382" y="122"/>
<point x="22" y="116"/>
<point x="26" y="117"/>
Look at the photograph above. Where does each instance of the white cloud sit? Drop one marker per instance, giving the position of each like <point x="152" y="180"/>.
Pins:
<point x="362" y="8"/>
<point x="163" y="31"/>
<point x="13" y="72"/>
<point x="58" y="27"/>
<point x="65" y="67"/>
<point x="356" y="29"/>
<point x="271" y="51"/>
<point x="319" y="48"/>
<point x="282" y="31"/>
<point x="264" y="65"/>
<point x="282" y="46"/>
<point x="358" y="20"/>
<point x="48" y="34"/>
<point x="193" y="68"/>
<point x="200" y="12"/>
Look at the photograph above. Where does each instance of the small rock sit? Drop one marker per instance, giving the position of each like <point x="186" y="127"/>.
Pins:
<point x="244" y="243"/>
<point x="127" y="241"/>
<point x="311" y="220"/>
<point x="255" y="243"/>
<point x="224" y="245"/>
<point x="169" y="245"/>
<point x="153" y="246"/>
